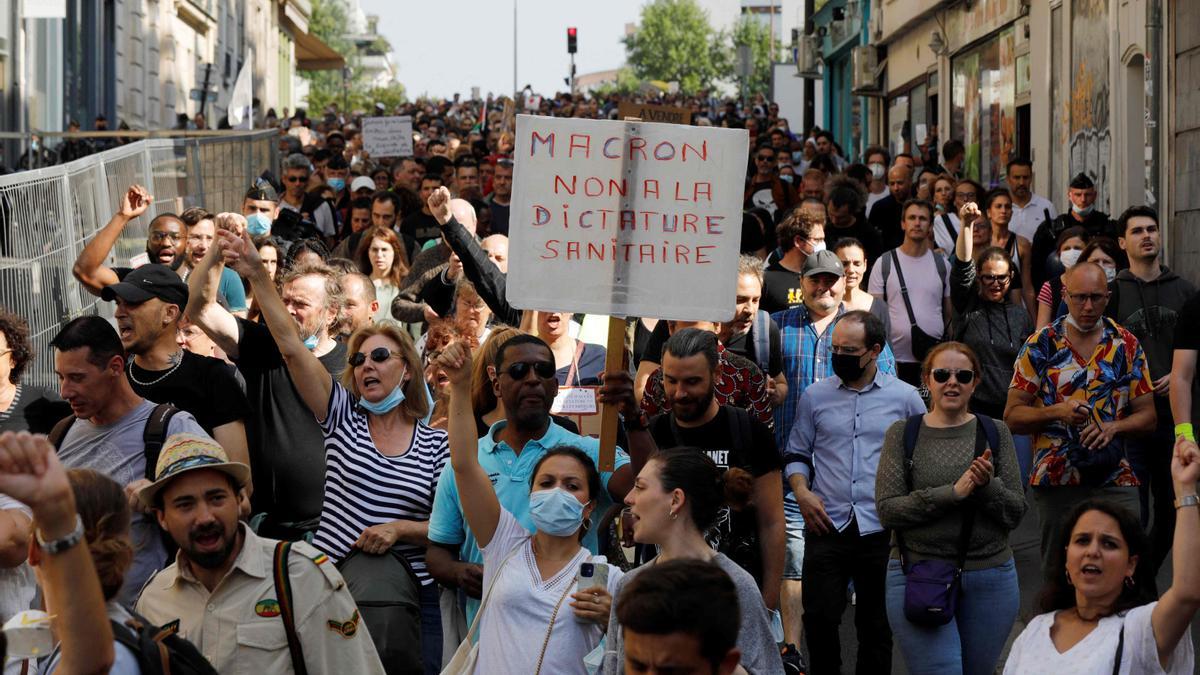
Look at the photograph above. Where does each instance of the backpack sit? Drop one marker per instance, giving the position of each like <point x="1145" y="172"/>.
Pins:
<point x="388" y="596"/>
<point x="762" y="341"/>
<point x="885" y="268"/>
<point x="912" y="427"/>
<point x="153" y="436"/>
<point x="160" y="651"/>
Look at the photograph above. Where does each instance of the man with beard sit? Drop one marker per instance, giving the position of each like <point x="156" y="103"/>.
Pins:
<point x="164" y="242"/>
<point x="525" y="383"/>
<point x="754" y="537"/>
<point x="359" y="303"/>
<point x="149" y="306"/>
<point x="764" y="188"/>
<point x="1029" y="210"/>
<point x="911" y="281"/>
<point x="222" y="589"/>
<point x="832" y="456"/>
<point x="287" y="446"/>
<point x="107" y="433"/>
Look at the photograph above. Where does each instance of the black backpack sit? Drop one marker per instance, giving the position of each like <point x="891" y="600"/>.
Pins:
<point x="153" y="436"/>
<point x="161" y="651"/>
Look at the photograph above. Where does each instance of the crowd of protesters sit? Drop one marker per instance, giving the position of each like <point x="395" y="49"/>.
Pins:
<point x="318" y="438"/>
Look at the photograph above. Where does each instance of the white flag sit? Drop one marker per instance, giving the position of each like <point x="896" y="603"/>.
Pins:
<point x="241" y="105"/>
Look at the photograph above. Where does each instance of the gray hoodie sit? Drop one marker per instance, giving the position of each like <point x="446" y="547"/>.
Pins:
<point x="1150" y="310"/>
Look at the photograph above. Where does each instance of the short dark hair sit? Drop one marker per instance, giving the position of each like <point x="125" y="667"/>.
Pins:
<point x="845" y="191"/>
<point x="694" y="597"/>
<point x="16" y="334"/>
<point x="1081" y="181"/>
<point x="433" y="176"/>
<point x="1057" y="592"/>
<point x="589" y="466"/>
<point x="1135" y="212"/>
<point x="194" y="215"/>
<point x="919" y="203"/>
<point x="953" y="148"/>
<point x="873" y="331"/>
<point x="165" y="216"/>
<point x="878" y="150"/>
<point x="859" y="172"/>
<point x="826" y="134"/>
<point x="692" y="341"/>
<point x="388" y="196"/>
<point x="93" y="332"/>
<point x="517" y="341"/>
<point x="437" y="164"/>
<point x="848" y="242"/>
<point x="361" y="203"/>
<point x="1019" y="161"/>
<point x="993" y="195"/>
<point x="337" y="163"/>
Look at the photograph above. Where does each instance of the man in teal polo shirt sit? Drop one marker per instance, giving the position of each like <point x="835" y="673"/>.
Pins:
<point x="509" y="452"/>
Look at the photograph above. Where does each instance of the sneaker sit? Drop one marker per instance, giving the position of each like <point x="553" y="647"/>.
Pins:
<point x="793" y="661"/>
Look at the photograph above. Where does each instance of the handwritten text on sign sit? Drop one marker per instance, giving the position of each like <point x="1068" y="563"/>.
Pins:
<point x="626" y="218"/>
<point x="388" y="136"/>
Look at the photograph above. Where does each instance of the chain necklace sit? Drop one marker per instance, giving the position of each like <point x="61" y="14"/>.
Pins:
<point x="160" y="377"/>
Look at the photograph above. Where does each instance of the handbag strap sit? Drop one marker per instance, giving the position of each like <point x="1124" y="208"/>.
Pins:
<point x="550" y="628"/>
<point x="283" y="592"/>
<point x="1120" y="651"/>
<point x="474" y="629"/>
<point x="912" y="318"/>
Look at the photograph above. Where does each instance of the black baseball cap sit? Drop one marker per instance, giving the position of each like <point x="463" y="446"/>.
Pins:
<point x="149" y="281"/>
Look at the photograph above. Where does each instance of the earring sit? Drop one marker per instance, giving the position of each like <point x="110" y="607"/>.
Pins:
<point x="672" y="514"/>
<point x="1129" y="581"/>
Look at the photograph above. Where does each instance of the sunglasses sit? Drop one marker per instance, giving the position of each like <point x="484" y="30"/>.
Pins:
<point x="543" y="369"/>
<point x="962" y="376"/>
<point x="378" y="355"/>
<point x="993" y="278"/>
<point x="295" y="179"/>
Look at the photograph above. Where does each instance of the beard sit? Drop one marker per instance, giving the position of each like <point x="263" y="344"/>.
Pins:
<point x="209" y="560"/>
<point x="691" y="410"/>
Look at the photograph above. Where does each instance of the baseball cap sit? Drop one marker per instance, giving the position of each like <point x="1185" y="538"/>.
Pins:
<point x="362" y="182"/>
<point x="189" y="452"/>
<point x="822" y="262"/>
<point x="149" y="281"/>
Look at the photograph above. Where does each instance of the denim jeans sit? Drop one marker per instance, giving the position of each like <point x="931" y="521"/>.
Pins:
<point x="431" y="630"/>
<point x="972" y="642"/>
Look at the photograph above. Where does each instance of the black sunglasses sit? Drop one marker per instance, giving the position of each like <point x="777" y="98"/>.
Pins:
<point x="378" y="355"/>
<point x="543" y="369"/>
<point x="962" y="376"/>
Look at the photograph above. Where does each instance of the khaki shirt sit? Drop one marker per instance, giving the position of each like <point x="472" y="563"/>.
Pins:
<point x="238" y="628"/>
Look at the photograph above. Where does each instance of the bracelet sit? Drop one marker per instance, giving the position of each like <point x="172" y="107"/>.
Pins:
<point x="1186" y="501"/>
<point x="59" y="545"/>
<point x="1184" y="429"/>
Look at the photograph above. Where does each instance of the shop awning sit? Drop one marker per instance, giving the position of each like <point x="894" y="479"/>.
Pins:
<point x="313" y="54"/>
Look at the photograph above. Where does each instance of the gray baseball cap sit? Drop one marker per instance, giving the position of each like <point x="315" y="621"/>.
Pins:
<point x="822" y="262"/>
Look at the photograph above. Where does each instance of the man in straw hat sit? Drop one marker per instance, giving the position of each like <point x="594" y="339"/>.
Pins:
<point x="243" y="599"/>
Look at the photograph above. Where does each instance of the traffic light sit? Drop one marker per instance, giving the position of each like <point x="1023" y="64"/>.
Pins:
<point x="572" y="44"/>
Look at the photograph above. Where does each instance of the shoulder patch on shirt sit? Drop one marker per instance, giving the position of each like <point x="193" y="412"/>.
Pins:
<point x="169" y="628"/>
<point x="346" y="629"/>
<point x="322" y="562"/>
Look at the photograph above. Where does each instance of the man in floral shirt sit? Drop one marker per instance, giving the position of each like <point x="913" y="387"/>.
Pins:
<point x="1080" y="386"/>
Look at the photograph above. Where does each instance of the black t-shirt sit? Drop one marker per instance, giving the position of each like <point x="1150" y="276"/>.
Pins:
<point x="500" y="213"/>
<point x="742" y="345"/>
<point x="204" y="386"/>
<point x="421" y="227"/>
<point x="656" y="342"/>
<point x="736" y="532"/>
<point x="861" y="230"/>
<point x="781" y="289"/>
<point x="287" y="447"/>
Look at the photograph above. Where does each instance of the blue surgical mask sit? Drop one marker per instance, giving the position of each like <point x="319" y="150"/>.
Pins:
<point x="556" y="512"/>
<point x="338" y="184"/>
<point x="1084" y="211"/>
<point x="385" y="404"/>
<point x="310" y="342"/>
<point x="258" y="224"/>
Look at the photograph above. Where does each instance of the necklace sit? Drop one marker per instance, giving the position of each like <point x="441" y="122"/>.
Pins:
<point x="160" y="378"/>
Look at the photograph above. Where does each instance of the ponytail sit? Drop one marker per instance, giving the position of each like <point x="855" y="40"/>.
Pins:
<point x="707" y="489"/>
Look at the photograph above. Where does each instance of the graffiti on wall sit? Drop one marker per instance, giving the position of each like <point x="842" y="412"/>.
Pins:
<point x="1091" y="139"/>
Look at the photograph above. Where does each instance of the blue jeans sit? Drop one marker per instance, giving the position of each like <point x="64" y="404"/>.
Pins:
<point x="970" y="644"/>
<point x="431" y="630"/>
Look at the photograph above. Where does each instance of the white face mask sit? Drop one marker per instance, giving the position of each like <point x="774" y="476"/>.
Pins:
<point x="1086" y="331"/>
<point x="877" y="171"/>
<point x="817" y="247"/>
<point x="1069" y="257"/>
<point x="1110" y="273"/>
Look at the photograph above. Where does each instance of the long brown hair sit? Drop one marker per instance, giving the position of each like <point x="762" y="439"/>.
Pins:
<point x="362" y="256"/>
<point x="106" y="518"/>
<point x="483" y="396"/>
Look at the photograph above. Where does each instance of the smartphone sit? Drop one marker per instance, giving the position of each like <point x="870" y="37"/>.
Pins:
<point x="591" y="575"/>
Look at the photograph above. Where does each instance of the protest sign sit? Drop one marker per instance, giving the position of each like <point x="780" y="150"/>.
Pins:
<point x="654" y="113"/>
<point x="388" y="136"/>
<point x="626" y="218"/>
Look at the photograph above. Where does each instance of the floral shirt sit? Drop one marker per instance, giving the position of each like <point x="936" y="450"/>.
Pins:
<point x="1115" y="374"/>
<point x="739" y="384"/>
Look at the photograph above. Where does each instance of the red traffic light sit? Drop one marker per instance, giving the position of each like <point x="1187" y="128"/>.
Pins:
<point x="572" y="41"/>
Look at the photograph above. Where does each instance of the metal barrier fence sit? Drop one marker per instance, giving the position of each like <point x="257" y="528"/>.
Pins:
<point x="48" y="215"/>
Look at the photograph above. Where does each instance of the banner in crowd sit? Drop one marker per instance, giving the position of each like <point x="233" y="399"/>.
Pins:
<point x="388" y="136"/>
<point x="626" y="218"/>
<point x="654" y="113"/>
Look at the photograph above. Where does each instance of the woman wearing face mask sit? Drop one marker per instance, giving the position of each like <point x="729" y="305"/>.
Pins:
<point x="378" y="452"/>
<point x="1100" y="612"/>
<point x="985" y="316"/>
<point x="381" y="257"/>
<point x="957" y="480"/>
<point x="680" y="494"/>
<point x="1104" y="252"/>
<point x="1069" y="248"/>
<point x="526" y="624"/>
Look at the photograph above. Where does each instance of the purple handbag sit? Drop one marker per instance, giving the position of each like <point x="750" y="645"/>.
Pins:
<point x="931" y="587"/>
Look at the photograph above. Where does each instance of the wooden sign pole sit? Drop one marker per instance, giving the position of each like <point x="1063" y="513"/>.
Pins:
<point x="614" y="360"/>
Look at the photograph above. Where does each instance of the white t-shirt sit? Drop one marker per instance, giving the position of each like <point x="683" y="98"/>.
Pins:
<point x="1034" y="652"/>
<point x="513" y="626"/>
<point x="1026" y="220"/>
<point x="873" y="197"/>
<point x="941" y="236"/>
<point x="926" y="288"/>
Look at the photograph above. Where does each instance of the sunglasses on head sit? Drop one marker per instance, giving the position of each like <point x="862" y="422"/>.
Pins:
<point x="962" y="376"/>
<point x="378" y="355"/>
<point x="543" y="369"/>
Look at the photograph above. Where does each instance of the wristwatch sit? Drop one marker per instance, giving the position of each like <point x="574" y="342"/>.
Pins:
<point x="1187" y="500"/>
<point x="59" y="545"/>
